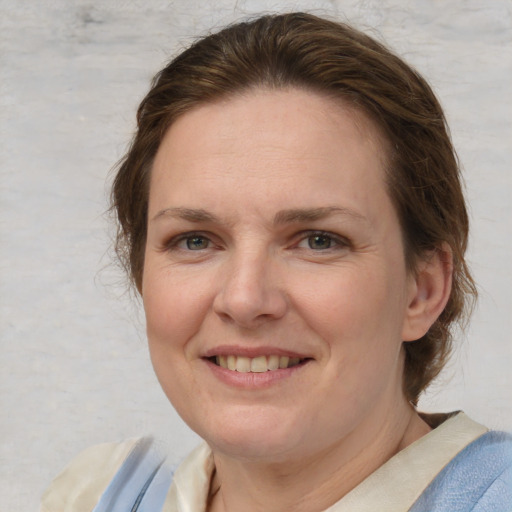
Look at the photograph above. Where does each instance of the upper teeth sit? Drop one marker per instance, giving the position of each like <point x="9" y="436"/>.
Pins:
<point x="256" y="364"/>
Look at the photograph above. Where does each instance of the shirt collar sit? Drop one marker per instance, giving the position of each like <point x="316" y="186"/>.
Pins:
<point x="393" y="487"/>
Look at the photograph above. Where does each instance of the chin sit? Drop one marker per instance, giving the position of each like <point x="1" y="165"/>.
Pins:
<point x="253" y="436"/>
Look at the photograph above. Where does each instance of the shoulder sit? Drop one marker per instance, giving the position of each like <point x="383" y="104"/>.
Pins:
<point x="79" y="486"/>
<point x="478" y="479"/>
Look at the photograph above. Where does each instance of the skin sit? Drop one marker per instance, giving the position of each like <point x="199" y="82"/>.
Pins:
<point x="271" y="230"/>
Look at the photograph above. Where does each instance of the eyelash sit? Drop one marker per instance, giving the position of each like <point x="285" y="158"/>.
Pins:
<point x="174" y="243"/>
<point x="335" y="241"/>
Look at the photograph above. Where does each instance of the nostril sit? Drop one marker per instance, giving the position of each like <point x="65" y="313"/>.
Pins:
<point x="250" y="307"/>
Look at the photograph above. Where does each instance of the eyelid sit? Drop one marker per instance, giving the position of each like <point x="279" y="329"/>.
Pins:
<point x="173" y="242"/>
<point x="339" y="241"/>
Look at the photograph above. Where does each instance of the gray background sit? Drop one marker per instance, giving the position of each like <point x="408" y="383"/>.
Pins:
<point x="74" y="368"/>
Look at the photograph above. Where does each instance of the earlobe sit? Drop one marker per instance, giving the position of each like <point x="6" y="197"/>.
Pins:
<point x="430" y="289"/>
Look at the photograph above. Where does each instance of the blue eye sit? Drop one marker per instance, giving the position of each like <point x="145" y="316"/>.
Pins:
<point x="184" y="244"/>
<point x="196" y="243"/>
<point x="319" y="242"/>
<point x="322" y="241"/>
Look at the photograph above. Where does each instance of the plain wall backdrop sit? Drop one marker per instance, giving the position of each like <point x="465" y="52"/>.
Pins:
<point x="74" y="368"/>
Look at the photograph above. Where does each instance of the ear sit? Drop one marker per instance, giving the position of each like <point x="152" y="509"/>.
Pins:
<point x="429" y="290"/>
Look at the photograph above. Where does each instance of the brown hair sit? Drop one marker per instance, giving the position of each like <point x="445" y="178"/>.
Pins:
<point x="304" y="51"/>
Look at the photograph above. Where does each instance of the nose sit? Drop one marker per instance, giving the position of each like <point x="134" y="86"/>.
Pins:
<point x="250" y="294"/>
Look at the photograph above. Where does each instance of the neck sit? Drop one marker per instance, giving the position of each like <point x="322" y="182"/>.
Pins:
<point x="313" y="482"/>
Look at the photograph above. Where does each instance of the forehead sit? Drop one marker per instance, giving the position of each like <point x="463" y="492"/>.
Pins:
<point x="272" y="109"/>
<point x="263" y="140"/>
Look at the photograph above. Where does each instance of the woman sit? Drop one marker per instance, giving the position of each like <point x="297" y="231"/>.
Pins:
<point x="291" y="213"/>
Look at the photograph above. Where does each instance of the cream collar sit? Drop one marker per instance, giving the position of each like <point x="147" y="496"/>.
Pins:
<point x="394" y="487"/>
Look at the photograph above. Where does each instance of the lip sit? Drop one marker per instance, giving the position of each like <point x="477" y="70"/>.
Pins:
<point x="251" y="380"/>
<point x="252" y="352"/>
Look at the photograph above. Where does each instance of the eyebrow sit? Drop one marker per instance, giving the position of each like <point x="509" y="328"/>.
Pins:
<point x="188" y="214"/>
<point x="297" y="215"/>
<point x="290" y="216"/>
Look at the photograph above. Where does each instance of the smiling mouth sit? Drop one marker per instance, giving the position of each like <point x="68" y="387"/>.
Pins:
<point x="258" y="364"/>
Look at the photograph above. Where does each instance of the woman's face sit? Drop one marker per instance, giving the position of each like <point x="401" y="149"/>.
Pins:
<point x="274" y="249"/>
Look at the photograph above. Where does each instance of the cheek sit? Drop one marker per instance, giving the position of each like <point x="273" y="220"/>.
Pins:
<point x="173" y="316"/>
<point x="351" y="299"/>
<point x="174" y="308"/>
<point x="359" y="316"/>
